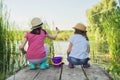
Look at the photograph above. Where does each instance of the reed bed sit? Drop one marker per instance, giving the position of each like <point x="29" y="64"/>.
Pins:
<point x="11" y="58"/>
<point x="105" y="45"/>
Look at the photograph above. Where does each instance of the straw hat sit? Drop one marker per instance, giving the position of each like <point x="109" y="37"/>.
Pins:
<point x="80" y="26"/>
<point x="36" y="23"/>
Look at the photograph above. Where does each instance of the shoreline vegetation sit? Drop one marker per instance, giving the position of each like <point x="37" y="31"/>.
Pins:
<point x="103" y="32"/>
<point x="62" y="36"/>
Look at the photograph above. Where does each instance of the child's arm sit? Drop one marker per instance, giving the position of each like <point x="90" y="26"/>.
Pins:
<point x="23" y="45"/>
<point x="69" y="48"/>
<point x="53" y="36"/>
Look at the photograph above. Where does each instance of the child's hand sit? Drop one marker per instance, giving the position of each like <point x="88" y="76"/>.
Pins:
<point x="57" y="30"/>
<point x="24" y="52"/>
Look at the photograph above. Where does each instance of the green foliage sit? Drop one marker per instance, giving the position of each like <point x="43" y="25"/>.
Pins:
<point x="10" y="55"/>
<point x="64" y="35"/>
<point x="11" y="58"/>
<point x="104" y="29"/>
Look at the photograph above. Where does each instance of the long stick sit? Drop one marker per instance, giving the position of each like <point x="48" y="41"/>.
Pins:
<point x="61" y="71"/>
<point x="84" y="72"/>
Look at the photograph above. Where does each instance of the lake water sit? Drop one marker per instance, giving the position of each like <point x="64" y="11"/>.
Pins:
<point x="60" y="49"/>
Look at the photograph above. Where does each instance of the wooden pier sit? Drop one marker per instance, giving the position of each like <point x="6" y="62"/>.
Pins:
<point x="95" y="72"/>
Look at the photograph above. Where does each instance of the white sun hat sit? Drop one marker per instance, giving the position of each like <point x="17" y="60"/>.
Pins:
<point x="36" y="23"/>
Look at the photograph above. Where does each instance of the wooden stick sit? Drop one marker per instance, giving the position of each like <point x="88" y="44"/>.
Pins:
<point x="84" y="72"/>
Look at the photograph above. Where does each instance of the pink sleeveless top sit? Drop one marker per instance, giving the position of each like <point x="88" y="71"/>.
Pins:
<point x="36" y="48"/>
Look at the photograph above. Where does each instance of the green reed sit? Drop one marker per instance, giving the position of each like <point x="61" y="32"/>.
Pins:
<point x="11" y="58"/>
<point x="114" y="46"/>
<point x="106" y="45"/>
<point x="49" y="42"/>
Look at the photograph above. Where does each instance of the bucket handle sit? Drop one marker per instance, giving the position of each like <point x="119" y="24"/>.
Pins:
<point x="57" y="63"/>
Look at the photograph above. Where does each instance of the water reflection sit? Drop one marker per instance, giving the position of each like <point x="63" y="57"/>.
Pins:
<point x="60" y="49"/>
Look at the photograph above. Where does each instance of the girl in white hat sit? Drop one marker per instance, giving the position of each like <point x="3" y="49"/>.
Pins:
<point x="78" y="50"/>
<point x="36" y="52"/>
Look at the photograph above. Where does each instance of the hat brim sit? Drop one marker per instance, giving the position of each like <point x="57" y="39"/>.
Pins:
<point x="79" y="29"/>
<point x="35" y="27"/>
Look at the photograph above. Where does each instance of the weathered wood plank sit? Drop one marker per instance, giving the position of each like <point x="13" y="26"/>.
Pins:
<point x="24" y="74"/>
<point x="50" y="74"/>
<point x="94" y="73"/>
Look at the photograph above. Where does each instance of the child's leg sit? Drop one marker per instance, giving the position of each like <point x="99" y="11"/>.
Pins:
<point x="44" y="64"/>
<point x="86" y="64"/>
<point x="70" y="65"/>
<point x="32" y="66"/>
<point x="33" y="62"/>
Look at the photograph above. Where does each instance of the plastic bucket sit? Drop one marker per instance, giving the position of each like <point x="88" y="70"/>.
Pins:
<point x="57" y="61"/>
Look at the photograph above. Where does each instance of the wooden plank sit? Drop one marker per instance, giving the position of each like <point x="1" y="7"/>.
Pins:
<point x="25" y="74"/>
<point x="94" y="73"/>
<point x="50" y="74"/>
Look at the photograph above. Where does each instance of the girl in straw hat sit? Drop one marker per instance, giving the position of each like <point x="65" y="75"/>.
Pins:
<point x="36" y="52"/>
<point x="78" y="48"/>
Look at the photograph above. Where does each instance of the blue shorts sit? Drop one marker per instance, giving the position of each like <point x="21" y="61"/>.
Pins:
<point x="76" y="61"/>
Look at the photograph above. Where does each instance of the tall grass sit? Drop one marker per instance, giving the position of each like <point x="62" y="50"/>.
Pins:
<point x="106" y="45"/>
<point x="11" y="58"/>
<point x="112" y="32"/>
